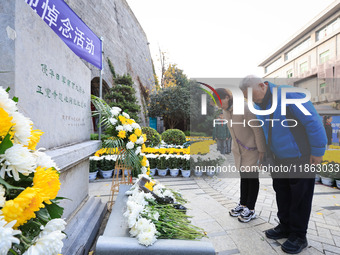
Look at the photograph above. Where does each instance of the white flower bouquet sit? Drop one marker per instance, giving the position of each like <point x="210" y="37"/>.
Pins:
<point x="157" y="214"/>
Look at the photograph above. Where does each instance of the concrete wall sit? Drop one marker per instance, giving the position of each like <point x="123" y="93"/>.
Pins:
<point x="125" y="42"/>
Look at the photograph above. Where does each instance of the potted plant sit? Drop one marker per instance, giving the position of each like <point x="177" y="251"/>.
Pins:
<point x="186" y="168"/>
<point x="93" y="168"/>
<point x="106" y="168"/>
<point x="174" y="168"/>
<point x="153" y="164"/>
<point x="198" y="167"/>
<point x="162" y="166"/>
<point x="327" y="174"/>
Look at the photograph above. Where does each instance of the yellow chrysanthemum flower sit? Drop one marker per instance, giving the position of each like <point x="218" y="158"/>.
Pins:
<point x="47" y="180"/>
<point x="144" y="136"/>
<point x="122" y="134"/>
<point x="149" y="185"/>
<point x="143" y="162"/>
<point x="34" y="139"/>
<point x="130" y="121"/>
<point x="143" y="147"/>
<point x="138" y="132"/>
<point x="122" y="119"/>
<point x="5" y="123"/>
<point x="133" y="138"/>
<point x="23" y="207"/>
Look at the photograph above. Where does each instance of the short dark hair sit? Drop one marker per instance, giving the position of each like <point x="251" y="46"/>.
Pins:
<point x="223" y="93"/>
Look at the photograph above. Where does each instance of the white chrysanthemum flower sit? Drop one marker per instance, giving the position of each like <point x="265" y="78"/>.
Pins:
<point x="6" y="103"/>
<point x="113" y="121"/>
<point x="134" y="231"/>
<point x="119" y="128"/>
<point x="128" y="128"/>
<point x="22" y="128"/>
<point x="146" y="238"/>
<point x="140" y="140"/>
<point x="135" y="125"/>
<point x="138" y="150"/>
<point x="2" y="196"/>
<point x="43" y="160"/>
<point x="143" y="170"/>
<point x="49" y="244"/>
<point x="7" y="234"/>
<point x="115" y="111"/>
<point x="17" y="159"/>
<point x="51" y="226"/>
<point x="130" y="145"/>
<point x="142" y="224"/>
<point x="126" y="115"/>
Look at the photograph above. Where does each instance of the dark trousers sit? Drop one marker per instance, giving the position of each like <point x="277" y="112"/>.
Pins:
<point x="228" y="146"/>
<point x="294" y="199"/>
<point x="222" y="145"/>
<point x="249" y="188"/>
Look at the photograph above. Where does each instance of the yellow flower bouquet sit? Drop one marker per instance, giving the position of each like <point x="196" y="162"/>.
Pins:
<point x="29" y="183"/>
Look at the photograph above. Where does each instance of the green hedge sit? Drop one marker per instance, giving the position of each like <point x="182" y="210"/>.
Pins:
<point x="174" y="136"/>
<point x="152" y="136"/>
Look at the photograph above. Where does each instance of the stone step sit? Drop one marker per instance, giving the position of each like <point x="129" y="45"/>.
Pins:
<point x="83" y="227"/>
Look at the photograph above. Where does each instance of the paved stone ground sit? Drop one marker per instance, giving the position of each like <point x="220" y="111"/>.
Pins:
<point x="212" y="197"/>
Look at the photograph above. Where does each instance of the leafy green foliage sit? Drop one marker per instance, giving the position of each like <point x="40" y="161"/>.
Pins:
<point x="153" y="137"/>
<point x="174" y="136"/>
<point x="5" y="144"/>
<point x="93" y="166"/>
<point x="123" y="95"/>
<point x="171" y="103"/>
<point x="199" y="122"/>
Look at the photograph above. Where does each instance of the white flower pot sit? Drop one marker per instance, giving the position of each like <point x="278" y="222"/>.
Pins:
<point x="92" y="176"/>
<point x="162" y="172"/>
<point x="317" y="178"/>
<point x="338" y="183"/>
<point x="210" y="172"/>
<point x="174" y="172"/>
<point x="198" y="173"/>
<point x="153" y="171"/>
<point x="327" y="181"/>
<point x="106" y="174"/>
<point x="185" y="173"/>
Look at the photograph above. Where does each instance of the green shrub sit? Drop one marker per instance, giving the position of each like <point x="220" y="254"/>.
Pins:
<point x="174" y="136"/>
<point x="152" y="136"/>
<point x="189" y="133"/>
<point x="93" y="166"/>
<point x="96" y="136"/>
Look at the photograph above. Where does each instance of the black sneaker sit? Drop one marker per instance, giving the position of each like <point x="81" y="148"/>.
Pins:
<point x="236" y="211"/>
<point x="276" y="233"/>
<point x="247" y="215"/>
<point x="294" y="244"/>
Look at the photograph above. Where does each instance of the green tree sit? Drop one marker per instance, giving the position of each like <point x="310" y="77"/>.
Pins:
<point x="122" y="95"/>
<point x="171" y="103"/>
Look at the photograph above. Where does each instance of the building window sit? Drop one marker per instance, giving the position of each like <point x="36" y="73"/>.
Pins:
<point x="323" y="57"/>
<point x="298" y="49"/>
<point x="290" y="73"/>
<point x="322" y="88"/>
<point x="328" y="29"/>
<point x="303" y="67"/>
